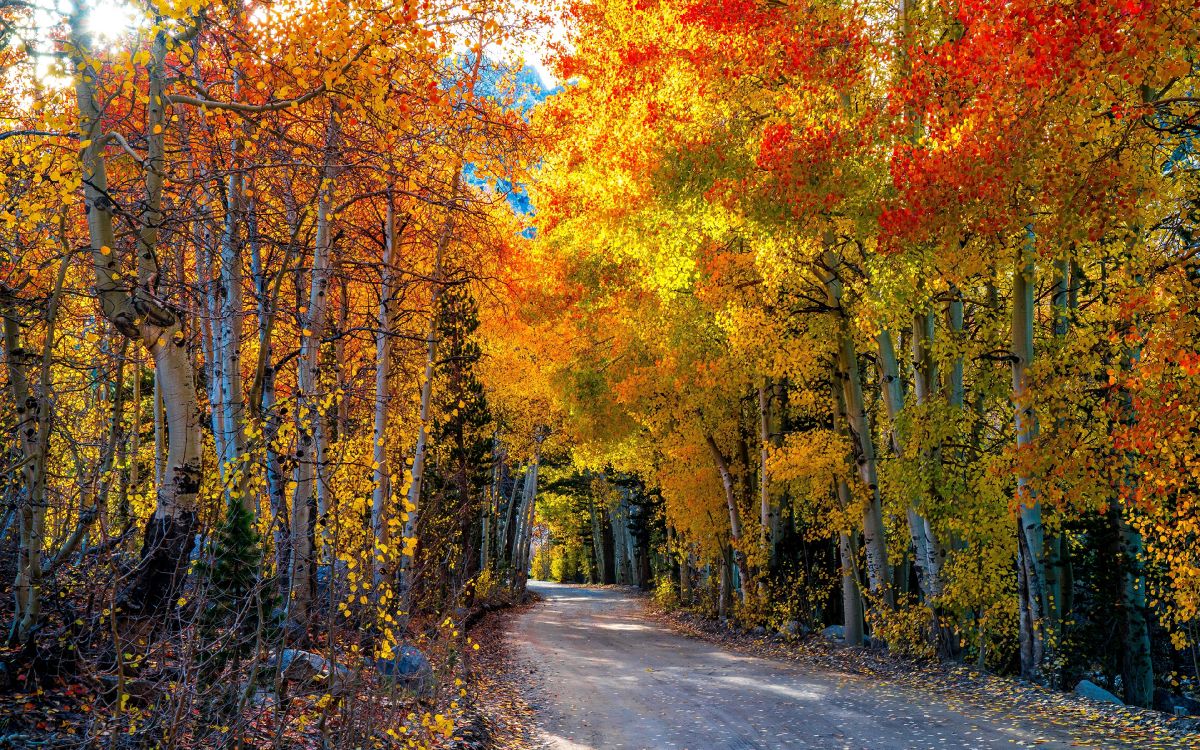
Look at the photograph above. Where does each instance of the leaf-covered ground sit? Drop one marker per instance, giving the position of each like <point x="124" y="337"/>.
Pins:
<point x="499" y="717"/>
<point x="593" y="668"/>
<point x="964" y="689"/>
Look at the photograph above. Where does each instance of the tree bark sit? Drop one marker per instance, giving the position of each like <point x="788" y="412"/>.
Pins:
<point x="893" y="398"/>
<point x="34" y="412"/>
<point x="1137" y="666"/>
<point x="529" y="515"/>
<point x="1031" y="557"/>
<point x="735" y="524"/>
<point x="769" y="513"/>
<point x="380" y="468"/>
<point x="859" y="427"/>
<point x="852" y="605"/>
<point x="925" y="378"/>
<point x="597" y="539"/>
<point x="141" y="316"/>
<point x="236" y="469"/>
<point x="308" y="417"/>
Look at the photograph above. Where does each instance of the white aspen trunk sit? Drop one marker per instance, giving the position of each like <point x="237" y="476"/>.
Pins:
<point x="342" y="422"/>
<point x="925" y="383"/>
<point x="229" y="340"/>
<point x="852" y="605"/>
<point x="630" y="545"/>
<point x="308" y="416"/>
<point x="878" y="573"/>
<point x="597" y="540"/>
<point x="412" y="504"/>
<point x="485" y="539"/>
<point x="493" y="508"/>
<point x="768" y="513"/>
<point x="160" y="453"/>
<point x="127" y="455"/>
<point x="211" y="341"/>
<point x="531" y="517"/>
<point x="381" y="471"/>
<point x="954" y="314"/>
<point x="321" y="479"/>
<point x="262" y="401"/>
<point x="35" y="411"/>
<point x="518" y="535"/>
<point x="1031" y="552"/>
<point x="616" y="520"/>
<point x="956" y="393"/>
<point x="140" y="315"/>
<point x="507" y="537"/>
<point x="525" y="530"/>
<point x="735" y="524"/>
<point x="893" y="397"/>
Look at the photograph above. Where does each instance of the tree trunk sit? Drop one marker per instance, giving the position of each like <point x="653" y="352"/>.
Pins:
<point x="530" y="515"/>
<point x="507" y="537"/>
<point x="413" y="503"/>
<point x="380" y="468"/>
<point x="597" y="539"/>
<point x="769" y="513"/>
<point x="235" y="460"/>
<point x="210" y="336"/>
<point x="308" y="416"/>
<point x="341" y="422"/>
<point x="925" y="378"/>
<point x="893" y="398"/>
<point x="1137" y="666"/>
<point x="1032" y="548"/>
<point x="735" y="524"/>
<point x="852" y="605"/>
<point x="859" y="428"/>
<point x="619" y="529"/>
<point x="262" y="400"/>
<point x="34" y="410"/>
<point x="724" y="593"/>
<point x="141" y="316"/>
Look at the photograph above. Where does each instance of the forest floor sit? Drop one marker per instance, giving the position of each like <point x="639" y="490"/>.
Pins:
<point x="593" y="669"/>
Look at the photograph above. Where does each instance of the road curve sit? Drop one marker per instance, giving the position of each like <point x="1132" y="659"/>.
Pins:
<point x="608" y="678"/>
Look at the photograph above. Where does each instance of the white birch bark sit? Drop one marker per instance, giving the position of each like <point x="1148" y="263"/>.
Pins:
<point x="381" y="470"/>
<point x="878" y="574"/>
<point x="924" y="385"/>
<point x="735" y="524"/>
<point x="768" y="512"/>
<point x="308" y="416"/>
<point x="229" y="345"/>
<point x="1031" y="552"/>
<point x="34" y="409"/>
<point x="140" y="315"/>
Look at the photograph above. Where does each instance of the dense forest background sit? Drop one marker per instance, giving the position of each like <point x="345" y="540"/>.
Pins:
<point x="888" y="312"/>
<point x="324" y="325"/>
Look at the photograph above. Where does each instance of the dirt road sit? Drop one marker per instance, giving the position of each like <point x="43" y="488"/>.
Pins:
<point x="607" y="677"/>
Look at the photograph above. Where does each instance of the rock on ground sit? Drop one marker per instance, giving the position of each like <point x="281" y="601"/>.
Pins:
<point x="1089" y="689"/>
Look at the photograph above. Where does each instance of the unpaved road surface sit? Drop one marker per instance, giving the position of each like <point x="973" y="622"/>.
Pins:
<point x="607" y="677"/>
